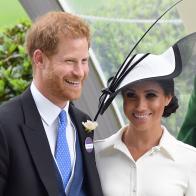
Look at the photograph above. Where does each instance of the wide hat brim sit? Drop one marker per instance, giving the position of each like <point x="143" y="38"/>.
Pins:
<point x="153" y="66"/>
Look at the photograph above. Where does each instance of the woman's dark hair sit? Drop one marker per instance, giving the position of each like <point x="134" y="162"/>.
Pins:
<point x="168" y="87"/>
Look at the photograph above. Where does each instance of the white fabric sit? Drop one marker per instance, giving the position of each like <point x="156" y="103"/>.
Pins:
<point x="168" y="169"/>
<point x="49" y="114"/>
<point x="151" y="66"/>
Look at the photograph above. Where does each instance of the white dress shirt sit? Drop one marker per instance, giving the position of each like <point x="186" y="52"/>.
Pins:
<point x="168" y="169"/>
<point x="49" y="114"/>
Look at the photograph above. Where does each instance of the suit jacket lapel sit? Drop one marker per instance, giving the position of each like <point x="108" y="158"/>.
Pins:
<point x="38" y="145"/>
<point x="77" y="119"/>
<point x="91" y="177"/>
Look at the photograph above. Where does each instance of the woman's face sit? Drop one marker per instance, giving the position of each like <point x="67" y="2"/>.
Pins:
<point x="144" y="104"/>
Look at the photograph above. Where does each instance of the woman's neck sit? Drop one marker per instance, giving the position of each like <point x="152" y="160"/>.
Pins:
<point x="139" y="142"/>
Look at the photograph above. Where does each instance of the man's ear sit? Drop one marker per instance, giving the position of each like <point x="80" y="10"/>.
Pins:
<point x="38" y="58"/>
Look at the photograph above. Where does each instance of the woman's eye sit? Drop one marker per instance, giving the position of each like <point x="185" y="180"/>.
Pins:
<point x="151" y="95"/>
<point x="130" y="95"/>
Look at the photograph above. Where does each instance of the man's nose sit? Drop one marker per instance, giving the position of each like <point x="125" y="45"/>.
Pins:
<point x="79" y="70"/>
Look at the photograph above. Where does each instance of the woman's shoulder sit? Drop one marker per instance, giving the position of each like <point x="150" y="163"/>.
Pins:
<point x="185" y="154"/>
<point x="102" y="144"/>
<point x="186" y="148"/>
<point x="180" y="151"/>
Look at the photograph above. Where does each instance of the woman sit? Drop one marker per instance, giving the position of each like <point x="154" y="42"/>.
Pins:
<point x="143" y="158"/>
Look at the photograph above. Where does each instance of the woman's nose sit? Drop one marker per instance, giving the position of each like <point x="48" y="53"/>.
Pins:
<point x="141" y="104"/>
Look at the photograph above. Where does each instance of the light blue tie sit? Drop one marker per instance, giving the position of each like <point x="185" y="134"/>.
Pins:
<point x="62" y="154"/>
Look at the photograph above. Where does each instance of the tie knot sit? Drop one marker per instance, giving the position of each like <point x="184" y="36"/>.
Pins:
<point x="62" y="116"/>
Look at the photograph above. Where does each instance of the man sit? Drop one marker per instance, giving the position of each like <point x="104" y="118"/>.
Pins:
<point x="30" y="125"/>
<point x="188" y="130"/>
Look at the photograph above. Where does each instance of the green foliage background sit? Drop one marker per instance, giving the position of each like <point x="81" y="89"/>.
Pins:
<point x="11" y="13"/>
<point x="15" y="67"/>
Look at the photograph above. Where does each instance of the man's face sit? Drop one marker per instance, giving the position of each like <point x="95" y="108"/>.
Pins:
<point x="62" y="75"/>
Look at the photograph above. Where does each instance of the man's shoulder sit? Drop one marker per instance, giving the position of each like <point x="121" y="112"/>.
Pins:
<point x="15" y="101"/>
<point x="77" y="111"/>
<point x="11" y="109"/>
<point x="9" y="105"/>
<point x="10" y="115"/>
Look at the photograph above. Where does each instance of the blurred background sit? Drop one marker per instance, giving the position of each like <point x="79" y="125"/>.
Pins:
<point x="116" y="26"/>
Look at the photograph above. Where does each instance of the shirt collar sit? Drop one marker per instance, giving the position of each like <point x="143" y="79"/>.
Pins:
<point x="48" y="110"/>
<point x="119" y="144"/>
<point x="167" y="144"/>
<point x="112" y="142"/>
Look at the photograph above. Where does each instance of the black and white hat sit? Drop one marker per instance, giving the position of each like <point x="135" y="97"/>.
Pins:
<point x="181" y="56"/>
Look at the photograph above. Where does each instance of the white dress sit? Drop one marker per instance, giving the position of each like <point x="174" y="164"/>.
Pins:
<point x="168" y="169"/>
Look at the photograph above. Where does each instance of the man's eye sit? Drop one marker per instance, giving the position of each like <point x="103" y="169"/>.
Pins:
<point x="69" y="61"/>
<point x="84" y="61"/>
